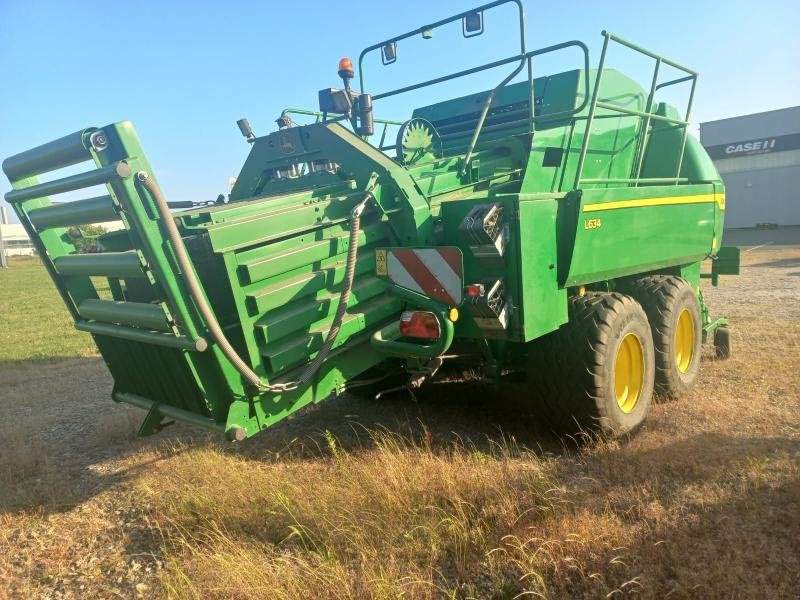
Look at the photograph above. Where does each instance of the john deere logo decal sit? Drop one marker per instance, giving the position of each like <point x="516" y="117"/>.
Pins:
<point x="287" y="147"/>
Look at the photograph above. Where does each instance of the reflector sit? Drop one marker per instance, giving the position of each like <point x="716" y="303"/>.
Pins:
<point x="420" y="324"/>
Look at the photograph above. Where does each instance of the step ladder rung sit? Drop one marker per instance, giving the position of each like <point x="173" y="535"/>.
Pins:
<point x="99" y="176"/>
<point x="142" y="335"/>
<point x="133" y="314"/>
<point x="106" y="264"/>
<point x="63" y="152"/>
<point x="80" y="212"/>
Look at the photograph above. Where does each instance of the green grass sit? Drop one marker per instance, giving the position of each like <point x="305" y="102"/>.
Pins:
<point x="34" y="323"/>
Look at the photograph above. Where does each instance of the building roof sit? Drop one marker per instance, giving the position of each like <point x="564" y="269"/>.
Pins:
<point x="772" y="123"/>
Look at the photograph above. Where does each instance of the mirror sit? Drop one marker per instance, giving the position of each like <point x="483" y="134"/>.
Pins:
<point x="389" y="53"/>
<point x="472" y="24"/>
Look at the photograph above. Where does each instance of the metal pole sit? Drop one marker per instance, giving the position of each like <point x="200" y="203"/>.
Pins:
<point x="590" y="116"/>
<point x="3" y="261"/>
<point x="643" y="137"/>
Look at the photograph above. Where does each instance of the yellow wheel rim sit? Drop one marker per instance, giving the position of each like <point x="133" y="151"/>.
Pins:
<point x="684" y="341"/>
<point x="629" y="372"/>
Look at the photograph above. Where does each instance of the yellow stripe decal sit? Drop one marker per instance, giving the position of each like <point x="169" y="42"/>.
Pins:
<point x="697" y="199"/>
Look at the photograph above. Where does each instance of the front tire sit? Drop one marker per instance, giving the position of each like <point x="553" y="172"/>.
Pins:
<point x="597" y="371"/>
<point x="674" y="313"/>
<point x="722" y="342"/>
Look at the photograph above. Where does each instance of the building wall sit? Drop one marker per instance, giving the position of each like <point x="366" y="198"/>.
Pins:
<point x="15" y="240"/>
<point x="762" y="178"/>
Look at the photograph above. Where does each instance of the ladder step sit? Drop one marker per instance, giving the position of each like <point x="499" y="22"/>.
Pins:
<point x="81" y="212"/>
<point x="99" y="176"/>
<point x="63" y="152"/>
<point x="106" y="264"/>
<point x="134" y="314"/>
<point x="144" y="336"/>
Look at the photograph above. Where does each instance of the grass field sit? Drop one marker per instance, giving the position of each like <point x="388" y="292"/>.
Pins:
<point x="35" y="321"/>
<point x="460" y="495"/>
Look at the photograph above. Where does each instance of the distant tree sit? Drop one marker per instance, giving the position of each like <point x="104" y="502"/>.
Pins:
<point x="84" y="238"/>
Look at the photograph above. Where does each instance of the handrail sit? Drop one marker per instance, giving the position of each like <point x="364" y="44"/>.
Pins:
<point x="319" y="115"/>
<point x="647" y="114"/>
<point x="425" y="28"/>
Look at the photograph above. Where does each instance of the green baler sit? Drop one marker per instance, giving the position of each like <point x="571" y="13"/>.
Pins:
<point x="553" y="227"/>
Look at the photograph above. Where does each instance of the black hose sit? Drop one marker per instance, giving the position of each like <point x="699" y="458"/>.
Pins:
<point x="211" y="320"/>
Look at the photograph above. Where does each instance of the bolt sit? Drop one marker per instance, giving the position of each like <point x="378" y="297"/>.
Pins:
<point x="236" y="433"/>
<point x="98" y="141"/>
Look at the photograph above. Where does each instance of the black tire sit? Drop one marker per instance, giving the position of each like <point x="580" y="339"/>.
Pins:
<point x="722" y="342"/>
<point x="572" y="370"/>
<point x="669" y="303"/>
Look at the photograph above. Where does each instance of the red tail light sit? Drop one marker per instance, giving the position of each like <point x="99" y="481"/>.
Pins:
<point x="420" y="324"/>
<point x="474" y="290"/>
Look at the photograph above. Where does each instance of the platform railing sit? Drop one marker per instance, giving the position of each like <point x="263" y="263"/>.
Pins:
<point x="648" y="115"/>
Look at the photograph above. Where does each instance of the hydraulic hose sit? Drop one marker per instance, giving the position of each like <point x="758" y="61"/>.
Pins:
<point x="211" y="320"/>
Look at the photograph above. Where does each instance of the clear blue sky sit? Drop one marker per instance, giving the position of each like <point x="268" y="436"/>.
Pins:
<point x="184" y="72"/>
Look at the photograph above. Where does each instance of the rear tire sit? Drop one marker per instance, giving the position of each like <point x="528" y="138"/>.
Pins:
<point x="597" y="371"/>
<point x="674" y="313"/>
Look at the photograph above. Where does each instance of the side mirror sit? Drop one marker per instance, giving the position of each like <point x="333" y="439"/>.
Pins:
<point x="389" y="53"/>
<point x="472" y="24"/>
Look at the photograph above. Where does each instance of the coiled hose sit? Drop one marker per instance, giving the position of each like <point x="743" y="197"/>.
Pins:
<point x="211" y="320"/>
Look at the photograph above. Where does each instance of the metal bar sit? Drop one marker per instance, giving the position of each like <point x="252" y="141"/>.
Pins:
<point x="590" y="117"/>
<point x="106" y="264"/>
<point x="99" y="176"/>
<point x="408" y="88"/>
<point x="685" y="130"/>
<point x="531" y="98"/>
<point x="143" y="336"/>
<point x="646" y="52"/>
<point x="675" y="81"/>
<point x="585" y="101"/>
<point x="316" y="113"/>
<point x="486" y="106"/>
<point x="133" y="314"/>
<point x="3" y="260"/>
<point x="640" y="180"/>
<point x="63" y="152"/>
<point x="451" y="19"/>
<point x="168" y="410"/>
<point x="642" y="141"/>
<point x="639" y="113"/>
<point x="79" y="212"/>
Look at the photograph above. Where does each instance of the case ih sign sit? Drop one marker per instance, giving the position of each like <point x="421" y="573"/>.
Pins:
<point x="758" y="146"/>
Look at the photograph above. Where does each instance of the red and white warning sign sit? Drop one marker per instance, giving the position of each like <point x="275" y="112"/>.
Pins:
<point x="433" y="272"/>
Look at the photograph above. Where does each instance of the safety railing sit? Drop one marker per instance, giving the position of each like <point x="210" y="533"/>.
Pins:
<point x="648" y="115"/>
<point x="523" y="58"/>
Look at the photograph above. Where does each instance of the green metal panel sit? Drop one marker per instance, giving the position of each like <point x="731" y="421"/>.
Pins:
<point x="623" y="231"/>
<point x="543" y="303"/>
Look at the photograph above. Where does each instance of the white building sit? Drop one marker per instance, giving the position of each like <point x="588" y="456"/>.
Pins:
<point x="758" y="157"/>
<point x="15" y="241"/>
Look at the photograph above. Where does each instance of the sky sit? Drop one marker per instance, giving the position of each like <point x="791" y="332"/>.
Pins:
<point x="184" y="72"/>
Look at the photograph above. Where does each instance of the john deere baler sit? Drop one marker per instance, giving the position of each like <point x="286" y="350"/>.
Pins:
<point x="554" y="226"/>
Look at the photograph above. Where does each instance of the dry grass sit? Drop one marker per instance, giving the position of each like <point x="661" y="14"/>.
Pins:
<point x="359" y="499"/>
